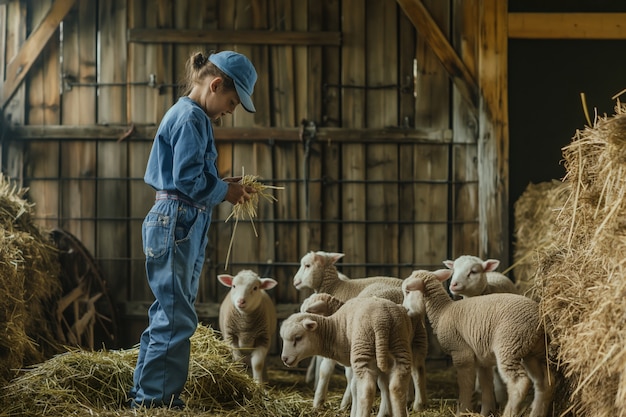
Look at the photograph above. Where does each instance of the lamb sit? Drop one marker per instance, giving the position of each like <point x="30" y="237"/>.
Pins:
<point x="325" y="304"/>
<point x="318" y="272"/>
<point x="472" y="276"/>
<point x="504" y="330"/>
<point x="247" y="319"/>
<point x="372" y="336"/>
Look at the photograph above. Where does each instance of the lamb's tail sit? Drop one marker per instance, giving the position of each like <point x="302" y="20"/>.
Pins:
<point x="382" y="351"/>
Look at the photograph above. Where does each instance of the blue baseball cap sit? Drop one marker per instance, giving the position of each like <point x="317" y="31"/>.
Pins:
<point x="240" y="69"/>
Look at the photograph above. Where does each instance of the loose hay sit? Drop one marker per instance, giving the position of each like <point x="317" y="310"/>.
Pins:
<point x="248" y="208"/>
<point x="81" y="382"/>
<point x="581" y="275"/>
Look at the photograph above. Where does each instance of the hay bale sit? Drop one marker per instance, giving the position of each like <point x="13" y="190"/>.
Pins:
<point x="81" y="382"/>
<point x="581" y="277"/>
<point x="29" y="284"/>
<point x="535" y="216"/>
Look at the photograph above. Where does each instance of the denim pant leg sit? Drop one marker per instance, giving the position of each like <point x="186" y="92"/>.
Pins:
<point x="175" y="238"/>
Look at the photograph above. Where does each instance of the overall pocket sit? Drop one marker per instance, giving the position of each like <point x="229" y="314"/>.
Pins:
<point x="156" y="234"/>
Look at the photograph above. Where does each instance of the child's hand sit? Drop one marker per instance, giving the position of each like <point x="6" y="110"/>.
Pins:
<point x="238" y="193"/>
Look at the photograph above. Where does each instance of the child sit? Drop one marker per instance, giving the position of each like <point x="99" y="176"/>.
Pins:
<point x="182" y="169"/>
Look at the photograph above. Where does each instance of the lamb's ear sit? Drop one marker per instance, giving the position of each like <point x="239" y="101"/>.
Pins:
<point x="335" y="256"/>
<point x="267" y="283"/>
<point x="226" y="279"/>
<point x="318" y="307"/>
<point x="490" y="265"/>
<point x="443" y="274"/>
<point x="449" y="264"/>
<point x="309" y="324"/>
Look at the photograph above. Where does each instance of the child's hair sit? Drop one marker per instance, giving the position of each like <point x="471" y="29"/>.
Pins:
<point x="197" y="68"/>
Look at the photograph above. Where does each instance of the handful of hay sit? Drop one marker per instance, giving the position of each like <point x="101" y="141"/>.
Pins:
<point x="248" y="208"/>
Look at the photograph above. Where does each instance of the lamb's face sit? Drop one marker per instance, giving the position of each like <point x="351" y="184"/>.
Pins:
<point x="246" y="289"/>
<point x="306" y="277"/>
<point x="468" y="276"/>
<point x="297" y="333"/>
<point x="312" y="268"/>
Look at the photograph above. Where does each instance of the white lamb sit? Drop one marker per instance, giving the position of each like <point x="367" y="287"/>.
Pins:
<point x="372" y="336"/>
<point x="504" y="330"/>
<point x="247" y="319"/>
<point x="471" y="276"/>
<point x="325" y="305"/>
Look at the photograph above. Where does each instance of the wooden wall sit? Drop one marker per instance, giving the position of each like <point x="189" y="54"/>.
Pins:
<point x="358" y="119"/>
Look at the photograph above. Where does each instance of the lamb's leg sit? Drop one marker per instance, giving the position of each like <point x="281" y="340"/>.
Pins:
<point x="353" y="394"/>
<point x="257" y="362"/>
<point x="499" y="388"/>
<point x="365" y="382"/>
<point x="398" y="381"/>
<point x="385" y="409"/>
<point x="312" y="371"/>
<point x="347" y="394"/>
<point x="418" y="375"/>
<point x="466" y="379"/>
<point x="327" y="367"/>
<point x="488" y="400"/>
<point x="543" y="381"/>
<point x="517" y="385"/>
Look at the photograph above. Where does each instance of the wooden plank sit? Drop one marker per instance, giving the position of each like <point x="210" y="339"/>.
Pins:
<point x="78" y="194"/>
<point x="327" y="135"/>
<point x="286" y="157"/>
<point x="21" y="64"/>
<point x="14" y="34"/>
<point x="407" y="48"/>
<point x="432" y="111"/>
<point x="493" y="150"/>
<point x="330" y="117"/>
<point x="456" y="69"/>
<point x="432" y="85"/>
<point x="262" y="153"/>
<point x="311" y="190"/>
<point x="113" y="226"/>
<point x="464" y="230"/>
<point x="239" y="37"/>
<point x="592" y="26"/>
<point x="354" y="191"/>
<point x="382" y="159"/>
<point x="43" y="108"/>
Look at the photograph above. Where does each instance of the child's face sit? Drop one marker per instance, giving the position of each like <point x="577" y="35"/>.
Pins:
<point x="216" y="100"/>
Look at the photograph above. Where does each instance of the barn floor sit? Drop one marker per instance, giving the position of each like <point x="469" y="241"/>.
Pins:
<point x="440" y="380"/>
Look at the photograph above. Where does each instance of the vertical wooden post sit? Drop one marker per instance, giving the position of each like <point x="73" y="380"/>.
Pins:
<point x="493" y="146"/>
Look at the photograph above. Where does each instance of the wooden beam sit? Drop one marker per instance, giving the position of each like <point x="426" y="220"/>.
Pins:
<point x="567" y="26"/>
<point x="493" y="130"/>
<point x="244" y="37"/>
<point x="22" y="63"/>
<point x="65" y="132"/>
<point x="428" y="28"/>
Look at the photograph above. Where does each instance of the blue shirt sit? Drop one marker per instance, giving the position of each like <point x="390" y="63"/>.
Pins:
<point x="183" y="156"/>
